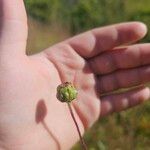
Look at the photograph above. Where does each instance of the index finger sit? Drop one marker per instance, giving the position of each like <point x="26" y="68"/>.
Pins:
<point x="96" y="41"/>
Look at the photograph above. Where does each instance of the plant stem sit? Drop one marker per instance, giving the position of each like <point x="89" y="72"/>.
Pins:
<point x="76" y="124"/>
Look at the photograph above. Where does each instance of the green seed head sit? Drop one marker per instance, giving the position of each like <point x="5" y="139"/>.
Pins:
<point x="66" y="92"/>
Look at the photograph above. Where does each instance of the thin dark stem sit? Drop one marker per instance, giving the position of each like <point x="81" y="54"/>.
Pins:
<point x="76" y="124"/>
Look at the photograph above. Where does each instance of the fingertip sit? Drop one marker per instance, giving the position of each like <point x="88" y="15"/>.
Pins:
<point x="140" y="29"/>
<point x="141" y="94"/>
<point x="146" y="94"/>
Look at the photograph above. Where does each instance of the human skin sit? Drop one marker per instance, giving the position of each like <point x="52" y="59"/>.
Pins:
<point x="31" y="117"/>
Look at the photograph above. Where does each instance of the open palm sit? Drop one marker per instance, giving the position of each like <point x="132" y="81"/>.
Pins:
<point x="30" y="115"/>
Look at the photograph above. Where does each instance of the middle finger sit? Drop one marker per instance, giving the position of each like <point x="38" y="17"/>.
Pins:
<point x="121" y="58"/>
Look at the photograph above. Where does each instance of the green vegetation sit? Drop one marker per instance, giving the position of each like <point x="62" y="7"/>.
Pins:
<point x="128" y="130"/>
<point x="81" y="15"/>
<point x="77" y="15"/>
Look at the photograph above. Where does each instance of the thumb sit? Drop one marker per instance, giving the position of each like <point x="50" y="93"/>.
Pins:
<point x="13" y="27"/>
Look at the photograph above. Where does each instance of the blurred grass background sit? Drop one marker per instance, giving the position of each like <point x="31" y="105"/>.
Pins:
<point x="51" y="21"/>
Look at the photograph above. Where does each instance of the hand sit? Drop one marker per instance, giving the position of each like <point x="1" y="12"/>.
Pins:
<point x="30" y="115"/>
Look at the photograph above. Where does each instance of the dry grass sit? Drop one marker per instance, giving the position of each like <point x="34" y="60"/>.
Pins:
<point x="42" y="36"/>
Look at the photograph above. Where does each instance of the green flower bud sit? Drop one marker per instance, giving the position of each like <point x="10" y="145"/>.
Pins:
<point x="66" y="92"/>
